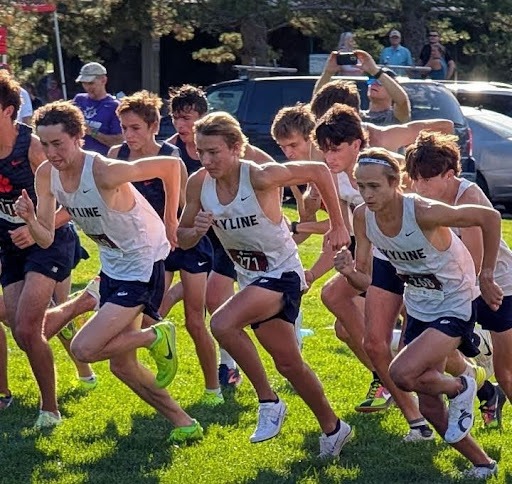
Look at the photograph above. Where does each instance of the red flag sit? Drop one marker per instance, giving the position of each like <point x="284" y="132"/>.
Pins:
<point x="38" y="7"/>
<point x="3" y="40"/>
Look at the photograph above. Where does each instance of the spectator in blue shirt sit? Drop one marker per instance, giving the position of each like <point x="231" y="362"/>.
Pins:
<point x="396" y="54"/>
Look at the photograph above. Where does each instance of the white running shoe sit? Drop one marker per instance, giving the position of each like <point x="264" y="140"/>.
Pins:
<point x="417" y="435"/>
<point x="47" y="420"/>
<point x="270" y="421"/>
<point x="481" y="472"/>
<point x="330" y="446"/>
<point x="93" y="288"/>
<point x="460" y="413"/>
<point x="484" y="359"/>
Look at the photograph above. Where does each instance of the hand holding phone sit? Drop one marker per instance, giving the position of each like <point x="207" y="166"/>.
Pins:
<point x="346" y="59"/>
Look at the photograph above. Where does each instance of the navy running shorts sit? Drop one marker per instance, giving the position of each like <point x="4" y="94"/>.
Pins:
<point x="134" y="293"/>
<point x="451" y="326"/>
<point x="80" y="252"/>
<point x="384" y="276"/>
<point x="290" y="285"/>
<point x="498" y="321"/>
<point x="55" y="262"/>
<point x="195" y="260"/>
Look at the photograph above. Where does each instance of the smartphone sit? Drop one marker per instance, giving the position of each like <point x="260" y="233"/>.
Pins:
<point x="346" y="59"/>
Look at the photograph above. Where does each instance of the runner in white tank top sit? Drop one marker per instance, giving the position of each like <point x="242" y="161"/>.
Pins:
<point x="414" y="233"/>
<point x="340" y="136"/>
<point x="242" y="201"/>
<point x="441" y="182"/>
<point x="100" y="198"/>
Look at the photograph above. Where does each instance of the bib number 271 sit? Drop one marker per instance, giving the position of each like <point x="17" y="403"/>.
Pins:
<point x="250" y="260"/>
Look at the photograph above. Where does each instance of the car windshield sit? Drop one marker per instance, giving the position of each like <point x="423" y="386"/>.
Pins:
<point x="495" y="122"/>
<point x="431" y="101"/>
<point x="226" y="98"/>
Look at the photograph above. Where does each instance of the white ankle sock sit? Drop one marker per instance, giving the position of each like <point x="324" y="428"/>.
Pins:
<point x="226" y="359"/>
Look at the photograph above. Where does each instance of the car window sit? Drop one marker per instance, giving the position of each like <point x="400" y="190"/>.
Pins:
<point x="226" y="98"/>
<point x="496" y="123"/>
<point x="272" y="97"/>
<point x="429" y="101"/>
<point x="494" y="102"/>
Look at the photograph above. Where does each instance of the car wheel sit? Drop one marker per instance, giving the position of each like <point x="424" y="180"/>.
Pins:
<point x="480" y="181"/>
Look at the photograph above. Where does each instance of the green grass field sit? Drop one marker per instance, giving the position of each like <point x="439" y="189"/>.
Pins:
<point x="110" y="436"/>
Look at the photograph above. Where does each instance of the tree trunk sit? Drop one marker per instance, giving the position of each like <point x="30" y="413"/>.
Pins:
<point x="414" y="25"/>
<point x="254" y="36"/>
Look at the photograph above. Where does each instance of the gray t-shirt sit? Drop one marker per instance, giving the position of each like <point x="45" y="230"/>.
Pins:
<point x="381" y="118"/>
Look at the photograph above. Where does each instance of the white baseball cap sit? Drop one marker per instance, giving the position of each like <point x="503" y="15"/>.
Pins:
<point x="90" y="71"/>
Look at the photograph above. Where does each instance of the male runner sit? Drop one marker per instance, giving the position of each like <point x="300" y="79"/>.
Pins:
<point x="29" y="273"/>
<point x="132" y="241"/>
<point x="413" y="233"/>
<point x="433" y="162"/>
<point x="242" y="201"/>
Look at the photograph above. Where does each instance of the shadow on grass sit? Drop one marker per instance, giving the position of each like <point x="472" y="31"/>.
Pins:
<point x="226" y="414"/>
<point x="360" y="463"/>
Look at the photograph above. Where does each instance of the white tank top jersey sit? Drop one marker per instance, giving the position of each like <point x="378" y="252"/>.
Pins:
<point x="438" y="283"/>
<point x="129" y="242"/>
<point x="257" y="246"/>
<point x="503" y="271"/>
<point x="349" y="194"/>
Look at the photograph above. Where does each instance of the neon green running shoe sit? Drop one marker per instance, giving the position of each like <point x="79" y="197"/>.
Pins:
<point x="181" y="435"/>
<point x="212" y="399"/>
<point x="377" y="399"/>
<point x="89" y="384"/>
<point x="68" y="331"/>
<point x="163" y="351"/>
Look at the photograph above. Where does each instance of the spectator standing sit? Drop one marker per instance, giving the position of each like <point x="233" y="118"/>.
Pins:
<point x="396" y="54"/>
<point x="437" y="63"/>
<point x="425" y="54"/>
<point x="54" y="92"/>
<point x="34" y="100"/>
<point x="347" y="43"/>
<point x="102" y="124"/>
<point x="25" y="111"/>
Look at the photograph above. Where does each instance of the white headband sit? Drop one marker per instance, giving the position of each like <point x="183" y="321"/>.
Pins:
<point x="375" y="161"/>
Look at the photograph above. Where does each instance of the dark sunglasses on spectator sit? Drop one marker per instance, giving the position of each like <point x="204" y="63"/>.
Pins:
<point x="372" y="80"/>
<point x="433" y="35"/>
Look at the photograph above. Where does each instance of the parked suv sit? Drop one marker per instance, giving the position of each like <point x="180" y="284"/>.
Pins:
<point x="255" y="102"/>
<point x="495" y="96"/>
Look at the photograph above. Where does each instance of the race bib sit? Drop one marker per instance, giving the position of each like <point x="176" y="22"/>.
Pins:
<point x="103" y="240"/>
<point x="250" y="260"/>
<point x="424" y="285"/>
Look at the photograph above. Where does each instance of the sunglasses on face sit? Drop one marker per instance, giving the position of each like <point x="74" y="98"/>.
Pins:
<point x="433" y="35"/>
<point x="372" y="80"/>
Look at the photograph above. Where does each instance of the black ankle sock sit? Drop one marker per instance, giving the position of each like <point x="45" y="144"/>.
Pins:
<point x="336" y="429"/>
<point x="487" y="392"/>
<point x="270" y="401"/>
<point x="464" y="384"/>
<point x="375" y="375"/>
<point x="419" y="422"/>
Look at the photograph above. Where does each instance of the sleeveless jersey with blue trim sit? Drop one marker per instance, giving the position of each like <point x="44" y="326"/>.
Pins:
<point x="503" y="271"/>
<point x="15" y="174"/>
<point x="152" y="190"/>
<point x="129" y="242"/>
<point x="258" y="246"/>
<point x="192" y="164"/>
<point x="438" y="283"/>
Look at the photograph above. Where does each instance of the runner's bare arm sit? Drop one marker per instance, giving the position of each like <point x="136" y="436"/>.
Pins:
<point x="396" y="136"/>
<point x="358" y="272"/>
<point x="432" y="214"/>
<point x="194" y="222"/>
<point x="114" y="173"/>
<point x="273" y="175"/>
<point x="42" y="225"/>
